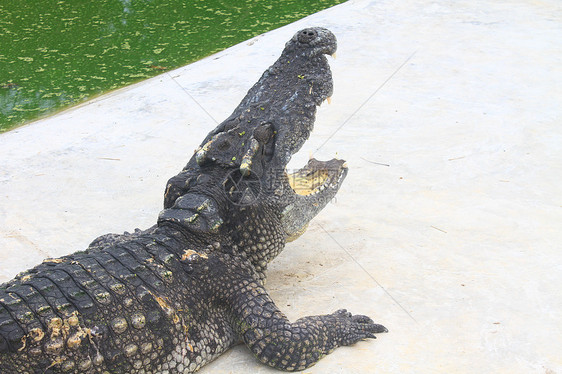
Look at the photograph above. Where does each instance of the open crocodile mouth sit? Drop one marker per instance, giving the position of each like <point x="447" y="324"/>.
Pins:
<point x="317" y="177"/>
<point x="314" y="186"/>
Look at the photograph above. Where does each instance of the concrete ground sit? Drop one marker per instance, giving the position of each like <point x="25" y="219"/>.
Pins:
<point x="448" y="229"/>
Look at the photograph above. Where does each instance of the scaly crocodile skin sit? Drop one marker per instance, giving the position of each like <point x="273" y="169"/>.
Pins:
<point x="171" y="298"/>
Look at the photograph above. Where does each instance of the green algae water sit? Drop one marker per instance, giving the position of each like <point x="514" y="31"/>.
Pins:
<point x="57" y="53"/>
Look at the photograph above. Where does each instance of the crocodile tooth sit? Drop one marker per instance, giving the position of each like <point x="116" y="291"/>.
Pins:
<point x="329" y="99"/>
<point x="333" y="55"/>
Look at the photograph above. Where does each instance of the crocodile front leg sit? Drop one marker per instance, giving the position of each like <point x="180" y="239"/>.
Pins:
<point x="298" y="345"/>
<point x="276" y="341"/>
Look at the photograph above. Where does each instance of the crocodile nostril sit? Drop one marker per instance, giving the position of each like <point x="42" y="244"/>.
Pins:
<point x="307" y="35"/>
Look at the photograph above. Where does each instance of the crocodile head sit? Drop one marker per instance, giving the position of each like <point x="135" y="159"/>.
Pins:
<point x="236" y="184"/>
<point x="282" y="103"/>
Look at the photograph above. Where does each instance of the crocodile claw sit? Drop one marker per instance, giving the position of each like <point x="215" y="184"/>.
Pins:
<point x="354" y="328"/>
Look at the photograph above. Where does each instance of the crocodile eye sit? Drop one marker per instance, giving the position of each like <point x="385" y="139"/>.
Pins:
<point x="307" y="35"/>
<point x="263" y="133"/>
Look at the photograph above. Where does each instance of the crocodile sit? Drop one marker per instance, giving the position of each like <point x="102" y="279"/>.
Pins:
<point x="173" y="297"/>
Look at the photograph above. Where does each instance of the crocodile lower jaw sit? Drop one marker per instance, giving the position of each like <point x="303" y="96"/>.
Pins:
<point x="317" y="176"/>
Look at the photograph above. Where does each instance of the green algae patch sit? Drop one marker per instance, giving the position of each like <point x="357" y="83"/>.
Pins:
<point x="56" y="54"/>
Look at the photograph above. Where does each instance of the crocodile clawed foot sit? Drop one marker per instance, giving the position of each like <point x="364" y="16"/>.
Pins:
<point x="354" y="328"/>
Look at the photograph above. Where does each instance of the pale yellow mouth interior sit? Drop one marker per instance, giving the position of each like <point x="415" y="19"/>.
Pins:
<point x="307" y="183"/>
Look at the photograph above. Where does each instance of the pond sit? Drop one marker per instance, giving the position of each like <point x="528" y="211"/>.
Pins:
<point x="57" y="53"/>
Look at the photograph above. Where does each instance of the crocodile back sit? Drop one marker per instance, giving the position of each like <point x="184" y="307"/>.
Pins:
<point x="123" y="308"/>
